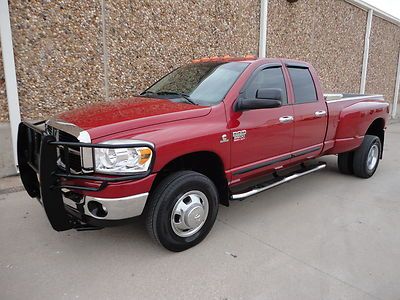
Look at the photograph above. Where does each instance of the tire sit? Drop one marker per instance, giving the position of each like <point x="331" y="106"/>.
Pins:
<point x="365" y="162"/>
<point x="179" y="201"/>
<point x="345" y="162"/>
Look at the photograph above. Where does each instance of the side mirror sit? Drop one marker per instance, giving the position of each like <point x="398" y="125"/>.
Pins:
<point x="265" y="98"/>
<point x="272" y="94"/>
<point x="248" y="104"/>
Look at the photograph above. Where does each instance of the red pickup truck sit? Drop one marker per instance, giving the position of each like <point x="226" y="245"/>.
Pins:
<point x="212" y="131"/>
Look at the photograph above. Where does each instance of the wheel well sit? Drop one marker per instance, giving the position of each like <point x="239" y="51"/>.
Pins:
<point x="204" y="162"/>
<point x="377" y="128"/>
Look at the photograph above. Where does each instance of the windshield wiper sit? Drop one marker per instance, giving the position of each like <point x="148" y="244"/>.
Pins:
<point x="148" y="93"/>
<point x="182" y="95"/>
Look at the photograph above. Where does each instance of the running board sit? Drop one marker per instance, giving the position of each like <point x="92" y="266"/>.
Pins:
<point x="279" y="181"/>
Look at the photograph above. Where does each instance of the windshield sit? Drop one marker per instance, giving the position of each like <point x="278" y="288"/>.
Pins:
<point x="200" y="83"/>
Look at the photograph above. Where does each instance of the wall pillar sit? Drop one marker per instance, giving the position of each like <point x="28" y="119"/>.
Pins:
<point x="10" y="76"/>
<point x="262" y="46"/>
<point x="397" y="90"/>
<point x="366" y="51"/>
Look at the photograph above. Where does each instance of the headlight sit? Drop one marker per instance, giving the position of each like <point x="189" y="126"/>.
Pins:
<point x="126" y="160"/>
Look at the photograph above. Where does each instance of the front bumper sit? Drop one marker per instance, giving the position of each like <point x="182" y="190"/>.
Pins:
<point x="111" y="208"/>
<point x="73" y="200"/>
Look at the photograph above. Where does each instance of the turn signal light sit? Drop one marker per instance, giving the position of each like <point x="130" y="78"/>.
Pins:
<point x="145" y="155"/>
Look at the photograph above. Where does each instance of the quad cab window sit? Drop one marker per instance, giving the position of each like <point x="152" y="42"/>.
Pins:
<point x="303" y="85"/>
<point x="268" y="78"/>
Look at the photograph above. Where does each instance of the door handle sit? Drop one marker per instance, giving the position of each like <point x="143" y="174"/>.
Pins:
<point x="286" y="119"/>
<point x="320" y="113"/>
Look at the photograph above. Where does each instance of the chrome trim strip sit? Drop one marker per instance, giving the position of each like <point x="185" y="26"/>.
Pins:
<point x="356" y="98"/>
<point x="283" y="180"/>
<point x="82" y="136"/>
<point x="329" y="97"/>
<point x="128" y="142"/>
<point x="69" y="202"/>
<point x="286" y="119"/>
<point x="65" y="126"/>
<point x="86" y="153"/>
<point x="320" y="113"/>
<point x="119" y="208"/>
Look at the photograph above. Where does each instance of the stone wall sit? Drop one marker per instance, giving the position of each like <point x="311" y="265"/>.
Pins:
<point x="70" y="53"/>
<point x="328" y="33"/>
<point x="66" y="56"/>
<point x="58" y="55"/>
<point x="383" y="58"/>
<point x="147" y="39"/>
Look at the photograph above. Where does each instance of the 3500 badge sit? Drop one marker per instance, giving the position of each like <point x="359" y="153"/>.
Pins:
<point x="239" y="135"/>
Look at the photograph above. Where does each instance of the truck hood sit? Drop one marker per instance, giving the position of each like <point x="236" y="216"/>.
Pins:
<point x="111" y="117"/>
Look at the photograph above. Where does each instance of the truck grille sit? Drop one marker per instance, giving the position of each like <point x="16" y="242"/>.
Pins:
<point x="74" y="155"/>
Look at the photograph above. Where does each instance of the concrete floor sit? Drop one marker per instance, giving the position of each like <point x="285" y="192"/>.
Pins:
<point x="323" y="236"/>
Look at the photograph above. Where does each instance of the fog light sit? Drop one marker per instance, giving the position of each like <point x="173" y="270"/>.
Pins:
<point x="97" y="209"/>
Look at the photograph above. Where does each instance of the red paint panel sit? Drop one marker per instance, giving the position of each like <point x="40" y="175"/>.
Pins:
<point x="117" y="189"/>
<point x="309" y="129"/>
<point x="178" y="129"/>
<point x="182" y="137"/>
<point x="121" y="115"/>
<point x="265" y="137"/>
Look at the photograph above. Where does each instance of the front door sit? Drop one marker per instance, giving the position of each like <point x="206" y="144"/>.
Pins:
<point x="261" y="139"/>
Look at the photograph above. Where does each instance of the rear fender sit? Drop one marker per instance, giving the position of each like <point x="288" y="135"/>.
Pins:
<point x="354" y="122"/>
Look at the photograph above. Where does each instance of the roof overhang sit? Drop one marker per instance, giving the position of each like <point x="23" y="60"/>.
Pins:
<point x="377" y="12"/>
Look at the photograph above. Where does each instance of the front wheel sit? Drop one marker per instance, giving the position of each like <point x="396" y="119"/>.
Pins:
<point x="182" y="210"/>
<point x="366" y="157"/>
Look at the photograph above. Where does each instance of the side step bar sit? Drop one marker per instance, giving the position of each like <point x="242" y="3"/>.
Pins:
<point x="279" y="181"/>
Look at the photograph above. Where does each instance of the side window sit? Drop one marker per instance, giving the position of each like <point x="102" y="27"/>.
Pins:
<point x="267" y="78"/>
<point x="303" y="85"/>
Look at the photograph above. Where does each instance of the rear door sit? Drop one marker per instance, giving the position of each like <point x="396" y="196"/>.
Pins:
<point x="310" y="114"/>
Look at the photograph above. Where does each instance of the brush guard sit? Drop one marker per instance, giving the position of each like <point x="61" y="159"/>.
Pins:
<point x="44" y="179"/>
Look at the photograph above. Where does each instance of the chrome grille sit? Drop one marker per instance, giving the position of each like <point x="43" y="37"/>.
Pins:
<point x="74" y="155"/>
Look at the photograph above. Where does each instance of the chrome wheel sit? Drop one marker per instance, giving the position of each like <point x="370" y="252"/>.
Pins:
<point x="373" y="156"/>
<point x="189" y="213"/>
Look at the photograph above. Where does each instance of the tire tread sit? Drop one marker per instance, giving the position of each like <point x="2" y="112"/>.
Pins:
<point x="360" y="156"/>
<point x="170" y="182"/>
<point x="345" y="162"/>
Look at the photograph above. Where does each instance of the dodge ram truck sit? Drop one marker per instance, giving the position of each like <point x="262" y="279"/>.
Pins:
<point x="210" y="132"/>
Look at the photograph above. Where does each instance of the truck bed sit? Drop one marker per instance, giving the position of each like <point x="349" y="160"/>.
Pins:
<point x="349" y="115"/>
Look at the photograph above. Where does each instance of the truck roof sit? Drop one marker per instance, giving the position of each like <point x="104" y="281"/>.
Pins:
<point x="247" y="58"/>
